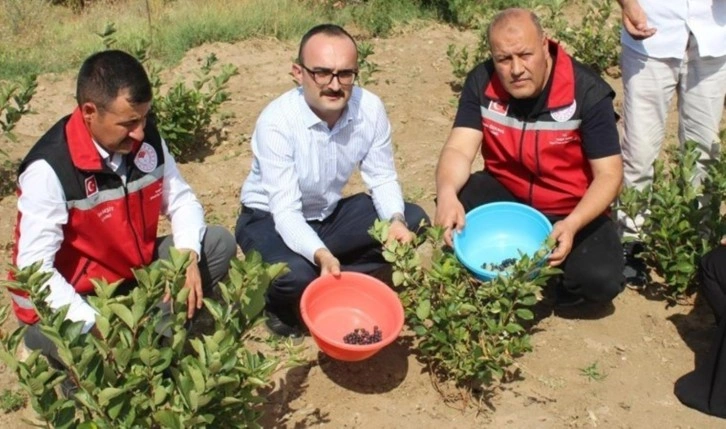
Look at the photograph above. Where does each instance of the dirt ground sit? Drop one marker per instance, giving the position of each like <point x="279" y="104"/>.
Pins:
<point x="639" y="345"/>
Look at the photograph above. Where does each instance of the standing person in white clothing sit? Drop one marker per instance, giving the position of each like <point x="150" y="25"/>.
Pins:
<point x="669" y="47"/>
<point x="306" y="144"/>
<point x="91" y="191"/>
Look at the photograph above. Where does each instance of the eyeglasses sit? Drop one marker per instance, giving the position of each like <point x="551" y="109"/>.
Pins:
<point x="324" y="77"/>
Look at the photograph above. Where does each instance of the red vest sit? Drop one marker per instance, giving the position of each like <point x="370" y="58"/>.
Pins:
<point x="540" y="158"/>
<point x="111" y="226"/>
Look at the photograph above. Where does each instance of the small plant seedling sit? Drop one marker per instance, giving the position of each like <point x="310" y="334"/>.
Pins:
<point x="11" y="400"/>
<point x="592" y="372"/>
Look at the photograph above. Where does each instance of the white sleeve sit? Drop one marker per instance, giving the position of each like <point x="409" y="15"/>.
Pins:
<point x="182" y="207"/>
<point x="43" y="213"/>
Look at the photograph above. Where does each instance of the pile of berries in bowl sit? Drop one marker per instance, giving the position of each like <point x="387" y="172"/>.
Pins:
<point x="351" y="317"/>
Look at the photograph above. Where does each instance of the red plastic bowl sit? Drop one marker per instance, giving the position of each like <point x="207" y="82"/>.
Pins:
<point x="333" y="307"/>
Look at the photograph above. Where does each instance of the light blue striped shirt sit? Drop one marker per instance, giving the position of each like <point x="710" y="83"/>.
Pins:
<point x="300" y="166"/>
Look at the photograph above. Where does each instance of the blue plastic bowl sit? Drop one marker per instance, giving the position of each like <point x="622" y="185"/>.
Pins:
<point x="498" y="231"/>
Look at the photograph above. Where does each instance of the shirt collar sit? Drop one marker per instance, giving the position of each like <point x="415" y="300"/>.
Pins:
<point x="112" y="160"/>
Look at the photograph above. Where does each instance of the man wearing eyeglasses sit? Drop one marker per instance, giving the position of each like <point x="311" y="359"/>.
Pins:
<point x="306" y="145"/>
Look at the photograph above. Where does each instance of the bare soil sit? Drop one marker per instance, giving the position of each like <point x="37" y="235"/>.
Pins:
<point x="640" y="346"/>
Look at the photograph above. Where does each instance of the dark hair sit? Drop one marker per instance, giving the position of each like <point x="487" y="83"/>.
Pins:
<point x="512" y="13"/>
<point x="104" y="74"/>
<point x="328" y="30"/>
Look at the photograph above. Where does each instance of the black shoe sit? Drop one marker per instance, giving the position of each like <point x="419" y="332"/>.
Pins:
<point x="566" y="299"/>
<point x="277" y="327"/>
<point x="635" y="270"/>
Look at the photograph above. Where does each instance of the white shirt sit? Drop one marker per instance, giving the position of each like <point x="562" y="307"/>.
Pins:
<point x="674" y="20"/>
<point x="42" y="204"/>
<point x="300" y="166"/>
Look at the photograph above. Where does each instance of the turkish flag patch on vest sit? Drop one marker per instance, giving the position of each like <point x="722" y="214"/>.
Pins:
<point x="497" y="107"/>
<point x="91" y="186"/>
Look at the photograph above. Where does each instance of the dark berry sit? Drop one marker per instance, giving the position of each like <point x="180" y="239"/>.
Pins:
<point x="362" y="336"/>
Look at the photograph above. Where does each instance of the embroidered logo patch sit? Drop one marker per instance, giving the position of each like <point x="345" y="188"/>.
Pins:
<point x="146" y="159"/>
<point x="564" y="113"/>
<point x="498" y="107"/>
<point x="91" y="186"/>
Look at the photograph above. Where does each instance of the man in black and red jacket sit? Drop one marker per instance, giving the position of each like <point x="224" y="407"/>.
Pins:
<point x="545" y="126"/>
<point x="90" y="193"/>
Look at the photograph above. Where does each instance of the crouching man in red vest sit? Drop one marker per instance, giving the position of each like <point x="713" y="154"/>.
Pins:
<point x="90" y="193"/>
<point x="545" y="126"/>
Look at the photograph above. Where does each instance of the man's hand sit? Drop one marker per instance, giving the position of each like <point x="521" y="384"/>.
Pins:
<point x="194" y="284"/>
<point x="564" y="233"/>
<point x="635" y="21"/>
<point x="723" y="240"/>
<point x="449" y="214"/>
<point x="328" y="263"/>
<point x="400" y="232"/>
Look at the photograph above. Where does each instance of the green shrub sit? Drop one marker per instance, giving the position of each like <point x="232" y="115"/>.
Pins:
<point x="595" y="42"/>
<point x="683" y="219"/>
<point x="14" y="104"/>
<point x="75" y="5"/>
<point x="463" y="60"/>
<point x="184" y="115"/>
<point x="366" y="67"/>
<point x="132" y="375"/>
<point x="375" y="16"/>
<point x="469" y="13"/>
<point x="468" y="331"/>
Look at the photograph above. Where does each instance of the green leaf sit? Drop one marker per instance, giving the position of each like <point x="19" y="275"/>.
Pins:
<point x="123" y="313"/>
<point x="197" y="378"/>
<point x="467" y="308"/>
<point x="116" y="405"/>
<point x="423" y="310"/>
<point x="160" y="395"/>
<point x="230" y="400"/>
<point x="514" y="328"/>
<point x="107" y="394"/>
<point x="35" y="386"/>
<point x="398" y="278"/>
<point x="524" y="313"/>
<point x="103" y="326"/>
<point x="168" y="419"/>
<point x="122" y="355"/>
<point x="685" y="267"/>
<point x="214" y="308"/>
<point x="256" y="302"/>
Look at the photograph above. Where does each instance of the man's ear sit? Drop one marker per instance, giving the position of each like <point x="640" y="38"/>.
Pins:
<point x="89" y="111"/>
<point x="297" y="73"/>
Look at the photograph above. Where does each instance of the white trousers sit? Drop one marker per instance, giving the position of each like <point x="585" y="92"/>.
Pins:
<point x="649" y="85"/>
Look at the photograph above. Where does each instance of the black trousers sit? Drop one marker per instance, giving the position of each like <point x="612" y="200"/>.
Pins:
<point x="712" y="280"/>
<point x="594" y="267"/>
<point x="705" y="387"/>
<point x="344" y="233"/>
